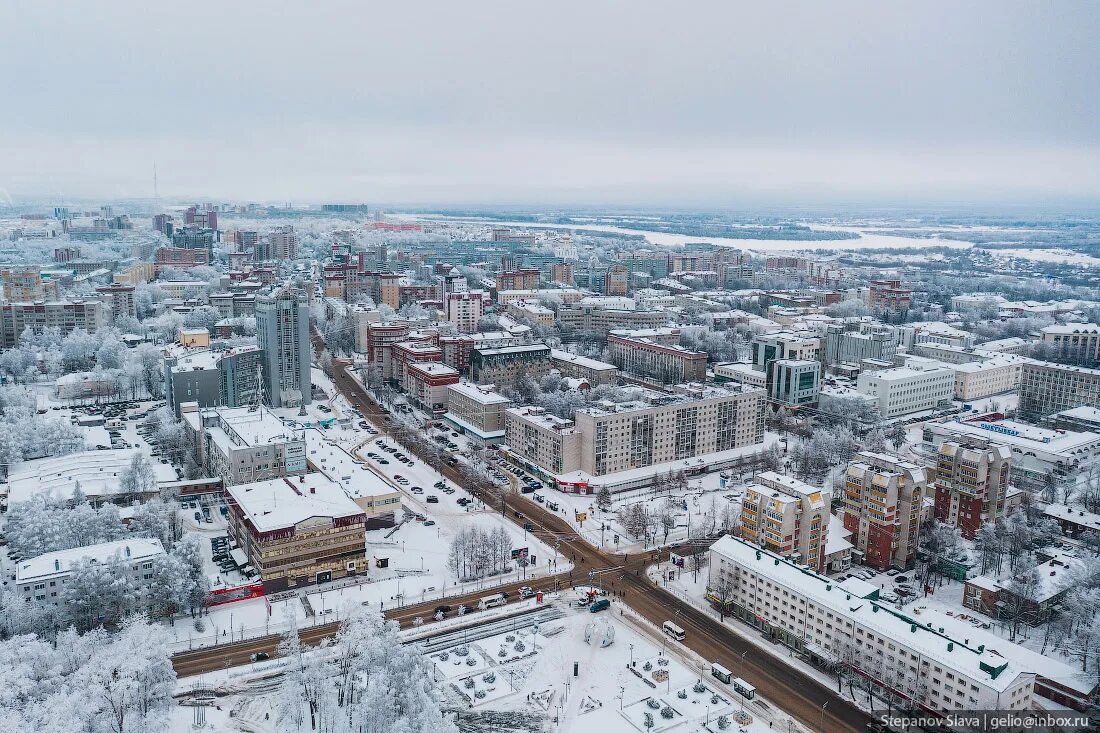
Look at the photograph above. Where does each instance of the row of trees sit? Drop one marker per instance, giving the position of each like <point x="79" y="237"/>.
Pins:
<point x="479" y="553"/>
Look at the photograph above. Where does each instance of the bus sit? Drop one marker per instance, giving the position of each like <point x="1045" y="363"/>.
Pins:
<point x="493" y="601"/>
<point x="673" y="630"/>
<point x="721" y="673"/>
<point x="744" y="689"/>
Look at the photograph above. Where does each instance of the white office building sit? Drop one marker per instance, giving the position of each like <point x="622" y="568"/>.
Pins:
<point x="909" y="389"/>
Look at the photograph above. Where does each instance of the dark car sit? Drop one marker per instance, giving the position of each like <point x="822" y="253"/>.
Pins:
<point x="260" y="656"/>
<point x="432" y="499"/>
<point x="443" y="609"/>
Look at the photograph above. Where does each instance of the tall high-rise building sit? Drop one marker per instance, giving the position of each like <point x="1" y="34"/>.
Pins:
<point x="882" y="502"/>
<point x="284" y="243"/>
<point x="971" y="483"/>
<point x="282" y="331"/>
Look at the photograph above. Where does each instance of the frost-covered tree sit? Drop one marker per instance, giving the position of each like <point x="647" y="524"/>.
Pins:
<point x="44" y="524"/>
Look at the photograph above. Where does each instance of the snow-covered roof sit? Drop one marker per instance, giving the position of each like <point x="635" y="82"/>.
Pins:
<point x="953" y="653"/>
<point x="482" y="393"/>
<point x="96" y="471"/>
<point x="280" y="503"/>
<point x="1022" y="435"/>
<point x="61" y="562"/>
<point x="581" y="361"/>
<point x="1076" y="516"/>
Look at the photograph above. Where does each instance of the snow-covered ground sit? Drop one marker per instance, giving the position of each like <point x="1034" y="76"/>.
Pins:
<point x="523" y="674"/>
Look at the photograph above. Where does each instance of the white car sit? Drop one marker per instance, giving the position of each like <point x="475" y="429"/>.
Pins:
<point x="526" y="592"/>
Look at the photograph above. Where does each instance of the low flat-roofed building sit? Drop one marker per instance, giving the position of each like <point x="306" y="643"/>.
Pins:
<point x="95" y="472"/>
<point x="298" y="530"/>
<point x="742" y="373"/>
<point x="978" y="379"/>
<point x="597" y="372"/>
<point x="41" y="580"/>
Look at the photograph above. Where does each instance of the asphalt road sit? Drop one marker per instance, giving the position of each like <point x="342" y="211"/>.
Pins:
<point x="815" y="707"/>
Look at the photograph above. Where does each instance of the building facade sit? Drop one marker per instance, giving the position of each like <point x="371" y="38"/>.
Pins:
<point x="787" y="516"/>
<point x="883" y="495"/>
<point x="1046" y="388"/>
<point x="971" y="484"/>
<point x="282" y="333"/>
<point x="662" y="362"/>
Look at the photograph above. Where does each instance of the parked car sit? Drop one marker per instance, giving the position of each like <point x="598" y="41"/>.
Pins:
<point x="260" y="656"/>
<point x="432" y="499"/>
<point x="526" y="592"/>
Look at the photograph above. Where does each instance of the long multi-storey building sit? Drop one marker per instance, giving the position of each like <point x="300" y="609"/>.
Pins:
<point x="998" y="374"/>
<point x="788" y="517"/>
<point x="830" y="623"/>
<point x="666" y="363"/>
<point x="41" y="580"/>
<point x="883" y="495"/>
<point x="599" y="319"/>
<point x="503" y="366"/>
<point x="1047" y="388"/>
<point x="611" y="438"/>
<point x="971" y="483"/>
<point x="527" y="279"/>
<point x="65" y="316"/>
<point x="297" y="531"/>
<point x="888" y="296"/>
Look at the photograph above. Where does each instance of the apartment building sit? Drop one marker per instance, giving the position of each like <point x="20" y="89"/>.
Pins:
<point x="476" y="410"/>
<point x="1042" y="459"/>
<point x="284" y="243"/>
<point x="297" y="531"/>
<point x="883" y="495"/>
<point x="788" y="517"/>
<point x="41" y="580"/>
<point x="996" y="375"/>
<point x="909" y="389"/>
<point x="562" y="272"/>
<point x="597" y="373"/>
<point x="24" y="284"/>
<point x="1046" y="388"/>
<point x="244" y="444"/>
<point x="971" y="483"/>
<point x="503" y="366"/>
<point x="827" y="623"/>
<point x="118" y="300"/>
<point x="426" y="385"/>
<point x="465" y="309"/>
<point x="65" y="316"/>
<point x="179" y="258"/>
<point x="657" y="360"/>
<point x="616" y="280"/>
<point x="611" y="438"/>
<point x="888" y="296"/>
<point x="526" y="279"/>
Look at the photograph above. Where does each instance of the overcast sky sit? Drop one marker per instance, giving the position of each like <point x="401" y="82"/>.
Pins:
<point x="675" y="103"/>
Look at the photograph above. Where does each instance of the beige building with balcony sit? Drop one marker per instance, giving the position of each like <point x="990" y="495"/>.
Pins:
<point x="788" y="517"/>
<point x="883" y="496"/>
